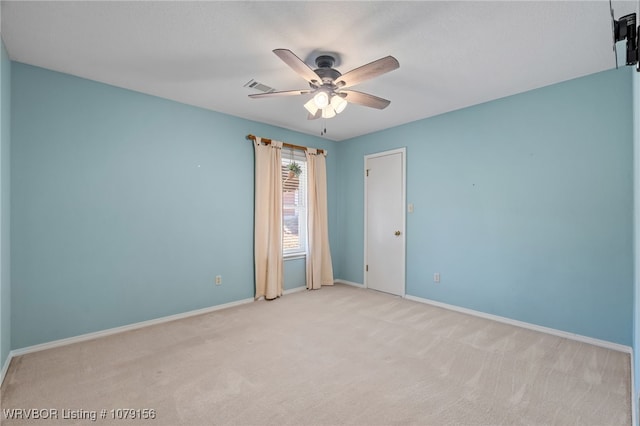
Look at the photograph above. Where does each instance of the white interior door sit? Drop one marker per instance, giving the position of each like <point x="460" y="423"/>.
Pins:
<point x="385" y="221"/>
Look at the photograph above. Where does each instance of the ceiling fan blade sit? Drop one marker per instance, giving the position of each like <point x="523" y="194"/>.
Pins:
<point x="298" y="65"/>
<point x="368" y="71"/>
<point x="365" y="99"/>
<point x="281" y="93"/>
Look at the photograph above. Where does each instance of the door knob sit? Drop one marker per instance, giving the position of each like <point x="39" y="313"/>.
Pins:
<point x="398" y="233"/>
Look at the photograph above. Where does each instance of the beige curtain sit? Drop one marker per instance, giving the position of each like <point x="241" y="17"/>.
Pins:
<point x="319" y="267"/>
<point x="268" y="220"/>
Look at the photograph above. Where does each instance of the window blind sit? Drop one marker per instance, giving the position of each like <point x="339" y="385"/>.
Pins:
<point x="294" y="202"/>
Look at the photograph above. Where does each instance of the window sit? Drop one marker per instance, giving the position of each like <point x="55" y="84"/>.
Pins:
<point x="294" y="202"/>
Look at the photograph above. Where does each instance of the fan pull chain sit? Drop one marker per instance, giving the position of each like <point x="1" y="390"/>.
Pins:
<point x="323" y="131"/>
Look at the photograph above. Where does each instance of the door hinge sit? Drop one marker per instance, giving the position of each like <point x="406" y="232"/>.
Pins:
<point x="368" y="172"/>
<point x="367" y="268"/>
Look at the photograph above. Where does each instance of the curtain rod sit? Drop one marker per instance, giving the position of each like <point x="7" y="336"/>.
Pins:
<point x="286" y="145"/>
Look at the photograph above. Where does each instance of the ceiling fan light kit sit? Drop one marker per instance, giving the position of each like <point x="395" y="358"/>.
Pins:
<point x="328" y="109"/>
<point x="321" y="98"/>
<point x="328" y="112"/>
<point x="338" y="103"/>
<point x="311" y="106"/>
<point x="329" y="87"/>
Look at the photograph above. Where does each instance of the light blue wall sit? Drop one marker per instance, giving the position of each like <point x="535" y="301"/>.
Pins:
<point x="295" y="273"/>
<point x="524" y="205"/>
<point x="5" y="144"/>
<point x="125" y="206"/>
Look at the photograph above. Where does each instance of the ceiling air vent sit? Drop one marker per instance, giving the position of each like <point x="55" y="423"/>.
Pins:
<point x="252" y="84"/>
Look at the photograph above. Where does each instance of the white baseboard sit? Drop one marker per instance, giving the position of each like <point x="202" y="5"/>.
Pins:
<point x="578" y="337"/>
<point x="116" y="330"/>
<point x="284" y="293"/>
<point x="294" y="290"/>
<point x="339" y="281"/>
<point x="5" y="367"/>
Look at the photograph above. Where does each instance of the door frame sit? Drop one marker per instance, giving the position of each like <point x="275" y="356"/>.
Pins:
<point x="403" y="256"/>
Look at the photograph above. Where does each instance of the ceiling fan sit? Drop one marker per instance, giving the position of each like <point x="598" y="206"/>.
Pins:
<point x="329" y="86"/>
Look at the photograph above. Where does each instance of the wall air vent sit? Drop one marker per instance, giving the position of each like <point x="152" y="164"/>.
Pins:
<point x="252" y="84"/>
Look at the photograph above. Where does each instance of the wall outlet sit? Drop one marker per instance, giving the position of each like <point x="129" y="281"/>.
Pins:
<point x="218" y="279"/>
<point x="436" y="277"/>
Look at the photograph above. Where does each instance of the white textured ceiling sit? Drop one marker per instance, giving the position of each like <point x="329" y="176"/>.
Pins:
<point x="451" y="54"/>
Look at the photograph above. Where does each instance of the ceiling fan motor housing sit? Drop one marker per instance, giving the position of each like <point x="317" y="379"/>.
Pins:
<point x="325" y="68"/>
<point x="325" y="61"/>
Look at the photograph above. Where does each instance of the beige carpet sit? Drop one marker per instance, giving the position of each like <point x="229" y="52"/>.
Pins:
<point x="339" y="355"/>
